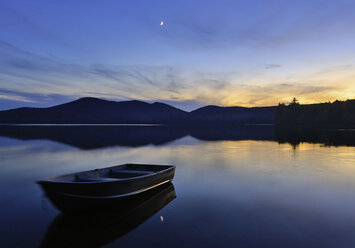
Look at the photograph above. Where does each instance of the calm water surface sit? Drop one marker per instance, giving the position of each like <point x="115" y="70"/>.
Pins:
<point x="230" y="192"/>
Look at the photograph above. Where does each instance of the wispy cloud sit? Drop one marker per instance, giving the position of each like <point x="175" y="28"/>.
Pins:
<point x="270" y="66"/>
<point x="30" y="78"/>
<point x="336" y="68"/>
<point x="271" y="94"/>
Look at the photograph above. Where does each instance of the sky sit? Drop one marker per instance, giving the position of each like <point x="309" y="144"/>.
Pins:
<point x="225" y="52"/>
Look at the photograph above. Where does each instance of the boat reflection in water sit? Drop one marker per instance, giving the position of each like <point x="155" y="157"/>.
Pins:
<point x="107" y="223"/>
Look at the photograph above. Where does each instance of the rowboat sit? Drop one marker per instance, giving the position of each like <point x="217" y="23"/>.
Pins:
<point x="101" y="185"/>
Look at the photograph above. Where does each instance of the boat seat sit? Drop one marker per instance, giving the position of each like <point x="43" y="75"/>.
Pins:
<point x="79" y="178"/>
<point x="128" y="173"/>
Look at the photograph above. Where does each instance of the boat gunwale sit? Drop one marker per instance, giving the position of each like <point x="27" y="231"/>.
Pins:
<point x="49" y="180"/>
<point x="113" y="196"/>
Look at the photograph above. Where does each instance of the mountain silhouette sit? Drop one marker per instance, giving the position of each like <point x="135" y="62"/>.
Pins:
<point x="96" y="111"/>
<point x="91" y="110"/>
<point x="233" y="115"/>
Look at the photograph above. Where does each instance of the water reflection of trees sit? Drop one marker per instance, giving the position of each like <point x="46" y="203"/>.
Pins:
<point x="327" y="137"/>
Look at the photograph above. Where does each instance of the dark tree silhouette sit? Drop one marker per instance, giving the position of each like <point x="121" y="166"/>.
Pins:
<point x="294" y="102"/>
<point x="337" y="114"/>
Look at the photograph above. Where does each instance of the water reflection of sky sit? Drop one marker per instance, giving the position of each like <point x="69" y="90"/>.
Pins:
<point x="229" y="193"/>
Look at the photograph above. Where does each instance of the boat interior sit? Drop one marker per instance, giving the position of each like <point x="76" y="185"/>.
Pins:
<point x="124" y="171"/>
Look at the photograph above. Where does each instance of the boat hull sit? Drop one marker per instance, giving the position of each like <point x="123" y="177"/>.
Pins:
<point x="71" y="204"/>
<point x="108" y="188"/>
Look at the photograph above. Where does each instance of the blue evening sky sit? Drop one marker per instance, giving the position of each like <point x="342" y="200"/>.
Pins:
<point x="246" y="53"/>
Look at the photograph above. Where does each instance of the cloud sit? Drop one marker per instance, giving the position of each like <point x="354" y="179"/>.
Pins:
<point x="271" y="94"/>
<point x="14" y="99"/>
<point x="336" y="68"/>
<point x="31" y="78"/>
<point x="187" y="105"/>
<point x="270" y="66"/>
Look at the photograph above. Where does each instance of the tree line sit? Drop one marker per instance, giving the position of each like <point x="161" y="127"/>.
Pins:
<point x="335" y="114"/>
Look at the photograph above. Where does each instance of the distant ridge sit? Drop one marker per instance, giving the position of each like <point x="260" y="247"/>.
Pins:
<point x="95" y="111"/>
<point x="90" y="110"/>
<point x="241" y="115"/>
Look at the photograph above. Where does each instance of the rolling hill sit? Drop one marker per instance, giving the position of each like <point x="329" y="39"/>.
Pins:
<point x="90" y="110"/>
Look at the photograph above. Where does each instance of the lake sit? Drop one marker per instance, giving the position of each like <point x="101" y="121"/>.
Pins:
<point x="244" y="187"/>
